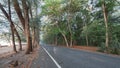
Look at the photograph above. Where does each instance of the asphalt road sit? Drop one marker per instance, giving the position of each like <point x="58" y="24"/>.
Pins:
<point x="61" y="57"/>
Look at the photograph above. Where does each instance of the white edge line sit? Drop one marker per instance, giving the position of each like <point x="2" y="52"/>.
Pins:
<point x="52" y="58"/>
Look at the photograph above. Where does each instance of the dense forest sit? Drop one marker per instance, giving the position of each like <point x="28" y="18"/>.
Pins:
<point x="83" y="22"/>
<point x="62" y="22"/>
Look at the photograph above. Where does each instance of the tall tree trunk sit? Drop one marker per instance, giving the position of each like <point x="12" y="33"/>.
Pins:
<point x="33" y="36"/>
<point x="106" y="24"/>
<point x="16" y="33"/>
<point x="37" y="38"/>
<point x="28" y="37"/>
<point x="12" y="28"/>
<point x="86" y="35"/>
<point x="27" y="27"/>
<point x="19" y="39"/>
<point x="19" y="12"/>
<point x="13" y="38"/>
<point x="29" y="40"/>
<point x="25" y="22"/>
<point x="11" y="25"/>
<point x="35" y="29"/>
<point x="66" y="41"/>
<point x="37" y="34"/>
<point x="69" y="27"/>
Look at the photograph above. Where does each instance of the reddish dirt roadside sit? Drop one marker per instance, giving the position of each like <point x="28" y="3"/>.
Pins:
<point x="89" y="48"/>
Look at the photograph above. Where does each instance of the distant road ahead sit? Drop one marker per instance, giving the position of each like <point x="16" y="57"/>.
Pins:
<point x="61" y="57"/>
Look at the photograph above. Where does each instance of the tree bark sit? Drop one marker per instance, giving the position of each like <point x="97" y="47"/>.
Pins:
<point x="12" y="28"/>
<point x="33" y="36"/>
<point x="27" y="27"/>
<point x="19" y="39"/>
<point x="37" y="35"/>
<point x="106" y="24"/>
<point x="65" y="39"/>
<point x="86" y="35"/>
<point x="86" y="40"/>
<point x="69" y="27"/>
<point x="13" y="38"/>
<point x="19" y="12"/>
<point x="25" y="22"/>
<point x="35" y="29"/>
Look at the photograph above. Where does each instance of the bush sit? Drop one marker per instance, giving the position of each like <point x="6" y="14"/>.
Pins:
<point x="102" y="48"/>
<point x="113" y="48"/>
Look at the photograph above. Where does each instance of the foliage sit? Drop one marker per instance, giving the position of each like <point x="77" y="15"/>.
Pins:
<point x="95" y="33"/>
<point x="113" y="48"/>
<point x="84" y="20"/>
<point x="78" y="20"/>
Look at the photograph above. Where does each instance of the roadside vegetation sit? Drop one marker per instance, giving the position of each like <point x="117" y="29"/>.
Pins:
<point x="83" y="22"/>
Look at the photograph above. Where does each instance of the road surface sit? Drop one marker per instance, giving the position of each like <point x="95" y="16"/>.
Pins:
<point x="61" y="57"/>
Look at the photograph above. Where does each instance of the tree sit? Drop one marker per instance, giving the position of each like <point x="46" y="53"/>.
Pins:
<point x="8" y="16"/>
<point x="106" y="22"/>
<point x="27" y="27"/>
<point x="34" y="21"/>
<point x="24" y="21"/>
<point x="11" y="24"/>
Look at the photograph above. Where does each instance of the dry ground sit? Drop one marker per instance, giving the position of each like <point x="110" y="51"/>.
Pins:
<point x="18" y="60"/>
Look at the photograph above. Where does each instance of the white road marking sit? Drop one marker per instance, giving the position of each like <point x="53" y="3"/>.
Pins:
<point x="52" y="58"/>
